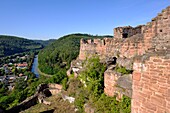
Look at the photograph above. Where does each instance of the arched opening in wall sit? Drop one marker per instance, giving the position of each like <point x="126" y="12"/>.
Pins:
<point x="160" y="30"/>
<point x="92" y="41"/>
<point x="47" y="92"/>
<point x="103" y="42"/>
<point x="111" y="61"/>
<point x="125" y="35"/>
<point x="114" y="60"/>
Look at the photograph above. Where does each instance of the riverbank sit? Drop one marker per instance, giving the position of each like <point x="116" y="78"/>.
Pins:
<point x="30" y="65"/>
<point x="36" y="70"/>
<point x="44" y="74"/>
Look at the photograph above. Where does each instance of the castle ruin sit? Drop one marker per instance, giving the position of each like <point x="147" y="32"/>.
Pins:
<point x="146" y="50"/>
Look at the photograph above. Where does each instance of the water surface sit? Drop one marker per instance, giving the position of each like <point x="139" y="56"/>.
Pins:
<point x="34" y="68"/>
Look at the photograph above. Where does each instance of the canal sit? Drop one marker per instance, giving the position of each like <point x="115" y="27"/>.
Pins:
<point x="34" y="68"/>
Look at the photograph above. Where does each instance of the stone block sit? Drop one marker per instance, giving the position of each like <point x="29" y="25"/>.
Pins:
<point x="136" y="76"/>
<point x="149" y="106"/>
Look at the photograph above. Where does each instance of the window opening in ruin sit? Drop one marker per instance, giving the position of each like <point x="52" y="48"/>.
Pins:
<point x="160" y="30"/>
<point x="125" y="35"/>
<point x="103" y="42"/>
<point x="114" y="62"/>
<point x="114" y="59"/>
<point x="92" y="40"/>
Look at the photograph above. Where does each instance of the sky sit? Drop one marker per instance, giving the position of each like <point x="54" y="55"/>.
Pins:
<point x="51" y="19"/>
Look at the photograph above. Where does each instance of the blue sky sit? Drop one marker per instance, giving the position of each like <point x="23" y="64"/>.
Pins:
<point x="45" y="19"/>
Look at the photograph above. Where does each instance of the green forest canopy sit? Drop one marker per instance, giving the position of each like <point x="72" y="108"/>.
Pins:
<point x="45" y="42"/>
<point x="10" y="45"/>
<point x="53" y="57"/>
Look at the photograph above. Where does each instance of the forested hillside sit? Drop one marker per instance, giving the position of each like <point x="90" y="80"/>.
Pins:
<point x="45" y="42"/>
<point x="60" y="53"/>
<point x="10" y="45"/>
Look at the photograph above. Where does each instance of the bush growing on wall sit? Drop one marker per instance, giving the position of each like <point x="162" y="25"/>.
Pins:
<point x="93" y="93"/>
<point x="123" y="70"/>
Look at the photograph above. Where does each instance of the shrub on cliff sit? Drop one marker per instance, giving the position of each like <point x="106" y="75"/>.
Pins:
<point x="92" y="76"/>
<point x="125" y="105"/>
<point x="123" y="70"/>
<point x="92" y="90"/>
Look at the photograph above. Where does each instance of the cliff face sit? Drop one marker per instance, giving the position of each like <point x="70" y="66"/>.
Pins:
<point x="144" y="49"/>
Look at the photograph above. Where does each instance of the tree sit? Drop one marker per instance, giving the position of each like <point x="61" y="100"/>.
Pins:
<point x="20" y="85"/>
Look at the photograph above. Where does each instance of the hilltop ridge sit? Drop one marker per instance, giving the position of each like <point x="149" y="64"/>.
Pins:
<point x="10" y="45"/>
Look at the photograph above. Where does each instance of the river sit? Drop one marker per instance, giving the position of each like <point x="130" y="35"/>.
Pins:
<point x="34" y="68"/>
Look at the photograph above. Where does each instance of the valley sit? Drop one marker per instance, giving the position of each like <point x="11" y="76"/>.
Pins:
<point x="82" y="73"/>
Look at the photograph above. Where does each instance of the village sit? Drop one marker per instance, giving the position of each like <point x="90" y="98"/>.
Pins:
<point x="15" y="67"/>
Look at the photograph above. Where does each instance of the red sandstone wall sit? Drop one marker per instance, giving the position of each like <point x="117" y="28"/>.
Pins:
<point x="132" y="46"/>
<point x="114" y="47"/>
<point x="151" y="80"/>
<point x="151" y="86"/>
<point x="119" y="31"/>
<point x="117" y="84"/>
<point x="159" y="24"/>
<point x="109" y="83"/>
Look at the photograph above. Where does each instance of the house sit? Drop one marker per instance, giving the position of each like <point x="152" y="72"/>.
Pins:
<point x="21" y="74"/>
<point x="10" y="63"/>
<point x="8" y="79"/>
<point x="1" y="68"/>
<point x="22" y="66"/>
<point x="5" y="65"/>
<point x="6" y="69"/>
<point x="1" y="78"/>
<point x="23" y="58"/>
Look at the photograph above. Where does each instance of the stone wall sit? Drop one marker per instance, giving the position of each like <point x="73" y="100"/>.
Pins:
<point x="117" y="84"/>
<point x="110" y="79"/>
<point x="55" y="88"/>
<point x="151" y="85"/>
<point x="140" y="40"/>
<point x="149" y="46"/>
<point x="110" y="47"/>
<point x="127" y="31"/>
<point x="31" y="101"/>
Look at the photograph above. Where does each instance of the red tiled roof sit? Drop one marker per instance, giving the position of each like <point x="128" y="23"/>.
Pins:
<point x="23" y="65"/>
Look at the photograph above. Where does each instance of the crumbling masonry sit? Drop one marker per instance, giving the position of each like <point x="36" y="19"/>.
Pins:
<point x="146" y="50"/>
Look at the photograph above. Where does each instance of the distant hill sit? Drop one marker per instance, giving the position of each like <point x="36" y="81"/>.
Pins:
<point x="45" y="42"/>
<point x="63" y="50"/>
<point x="10" y="45"/>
